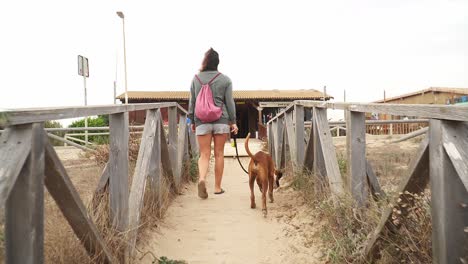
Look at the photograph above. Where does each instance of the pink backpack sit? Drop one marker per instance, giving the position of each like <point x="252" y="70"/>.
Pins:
<point x="205" y="109"/>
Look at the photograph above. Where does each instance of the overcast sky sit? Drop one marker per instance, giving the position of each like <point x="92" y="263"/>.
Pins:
<point x="363" y="46"/>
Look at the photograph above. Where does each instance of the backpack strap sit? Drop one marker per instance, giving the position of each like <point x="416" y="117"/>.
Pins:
<point x="198" y="78"/>
<point x="214" y="78"/>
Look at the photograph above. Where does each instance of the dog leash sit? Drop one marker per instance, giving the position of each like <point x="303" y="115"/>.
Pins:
<point x="237" y="154"/>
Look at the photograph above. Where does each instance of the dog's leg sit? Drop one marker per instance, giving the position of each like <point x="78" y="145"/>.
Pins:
<point x="264" y="191"/>
<point x="252" y="195"/>
<point x="270" y="186"/>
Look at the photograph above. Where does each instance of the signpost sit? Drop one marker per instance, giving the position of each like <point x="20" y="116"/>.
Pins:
<point x="83" y="70"/>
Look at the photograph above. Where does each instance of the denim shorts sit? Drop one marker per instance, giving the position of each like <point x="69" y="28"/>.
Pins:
<point x="205" y="129"/>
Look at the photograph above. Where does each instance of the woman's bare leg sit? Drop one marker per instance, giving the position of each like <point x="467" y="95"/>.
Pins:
<point x="219" y="140"/>
<point x="204" y="143"/>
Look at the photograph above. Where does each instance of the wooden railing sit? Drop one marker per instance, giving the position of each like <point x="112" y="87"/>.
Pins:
<point x="29" y="162"/>
<point x="442" y="160"/>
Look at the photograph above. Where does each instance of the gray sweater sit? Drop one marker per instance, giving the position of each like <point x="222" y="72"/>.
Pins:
<point x="222" y="95"/>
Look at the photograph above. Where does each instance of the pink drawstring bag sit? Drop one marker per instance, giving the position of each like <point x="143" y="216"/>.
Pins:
<point x="205" y="109"/>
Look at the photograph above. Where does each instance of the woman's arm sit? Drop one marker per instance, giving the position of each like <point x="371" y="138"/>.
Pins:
<point x="191" y="107"/>
<point x="230" y="105"/>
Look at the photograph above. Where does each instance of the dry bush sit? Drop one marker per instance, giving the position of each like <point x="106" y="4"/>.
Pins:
<point x="349" y="227"/>
<point x="101" y="155"/>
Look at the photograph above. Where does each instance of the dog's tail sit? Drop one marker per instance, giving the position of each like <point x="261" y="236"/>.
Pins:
<point x="246" y="144"/>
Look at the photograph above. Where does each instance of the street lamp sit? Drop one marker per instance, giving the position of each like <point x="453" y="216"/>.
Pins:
<point x="121" y="15"/>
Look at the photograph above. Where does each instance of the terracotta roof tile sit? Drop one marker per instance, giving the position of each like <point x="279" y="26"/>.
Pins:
<point x="238" y="95"/>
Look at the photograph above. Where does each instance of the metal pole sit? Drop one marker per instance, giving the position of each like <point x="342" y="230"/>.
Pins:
<point x="125" y="61"/>
<point x="86" y="103"/>
<point x="115" y="92"/>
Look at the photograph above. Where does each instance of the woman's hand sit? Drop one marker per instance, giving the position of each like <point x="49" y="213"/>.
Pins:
<point x="234" y="129"/>
<point x="193" y="127"/>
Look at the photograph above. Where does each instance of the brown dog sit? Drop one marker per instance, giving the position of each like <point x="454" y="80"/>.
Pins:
<point x="262" y="168"/>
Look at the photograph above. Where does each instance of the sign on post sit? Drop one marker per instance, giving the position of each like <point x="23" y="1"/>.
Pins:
<point x="83" y="70"/>
<point x="83" y="67"/>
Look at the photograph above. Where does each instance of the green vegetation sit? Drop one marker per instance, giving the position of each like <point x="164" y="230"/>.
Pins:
<point x="100" y="121"/>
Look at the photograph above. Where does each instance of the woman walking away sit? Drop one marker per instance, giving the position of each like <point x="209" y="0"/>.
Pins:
<point x="212" y="114"/>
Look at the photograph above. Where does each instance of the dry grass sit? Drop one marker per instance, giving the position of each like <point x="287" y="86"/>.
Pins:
<point x="61" y="244"/>
<point x="348" y="227"/>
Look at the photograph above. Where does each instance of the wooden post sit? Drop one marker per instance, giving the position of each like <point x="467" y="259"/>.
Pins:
<point x="173" y="135"/>
<point x="142" y="171"/>
<point x="180" y="150"/>
<point x="118" y="169"/>
<point x="319" y="162"/>
<point x="309" y="150"/>
<point x="274" y="126"/>
<point x="449" y="196"/>
<point x="356" y="145"/>
<point x="24" y="218"/>
<point x="291" y="138"/>
<point x="299" y="135"/>
<point x="328" y="150"/>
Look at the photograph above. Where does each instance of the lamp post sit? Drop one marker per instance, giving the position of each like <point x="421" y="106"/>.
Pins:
<point x="121" y="15"/>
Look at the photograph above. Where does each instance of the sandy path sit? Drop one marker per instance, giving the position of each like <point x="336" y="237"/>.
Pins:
<point x="223" y="228"/>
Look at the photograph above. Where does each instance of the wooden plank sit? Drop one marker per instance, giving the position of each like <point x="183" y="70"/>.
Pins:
<point x="411" y="135"/>
<point x="299" y="134"/>
<point x="71" y="143"/>
<point x="118" y="169"/>
<point x="448" y="195"/>
<point x="24" y="217"/>
<point x="193" y="143"/>
<point x="319" y="162"/>
<point x="274" y="131"/>
<point x="449" y="112"/>
<point x="173" y="135"/>
<point x="309" y="152"/>
<point x="290" y="137"/>
<point x="180" y="150"/>
<point x="142" y="172"/>
<point x="155" y="173"/>
<point x="356" y="135"/>
<point x="68" y="200"/>
<point x="414" y="181"/>
<point x="31" y="115"/>
<point x="376" y="190"/>
<point x="328" y="150"/>
<point x="103" y="180"/>
<point x="455" y="137"/>
<point x="165" y="157"/>
<point x="15" y="145"/>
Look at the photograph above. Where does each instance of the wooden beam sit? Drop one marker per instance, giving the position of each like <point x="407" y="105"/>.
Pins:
<point x="165" y="157"/>
<point x="103" y="180"/>
<point x="15" y="145"/>
<point x="173" y="135"/>
<point x="24" y="218"/>
<point x="455" y="137"/>
<point x="291" y="138"/>
<point x="155" y="171"/>
<point x="118" y="169"/>
<point x="180" y="150"/>
<point x="193" y="143"/>
<point x="411" y="135"/>
<point x="376" y="190"/>
<point x="142" y="171"/>
<point x="31" y="115"/>
<point x="414" y="181"/>
<point x="309" y="151"/>
<point x="448" y="195"/>
<point x="450" y="112"/>
<point x="299" y="134"/>
<point x="70" y="142"/>
<point x="356" y="143"/>
<point x="319" y="162"/>
<point x="328" y="150"/>
<point x="68" y="200"/>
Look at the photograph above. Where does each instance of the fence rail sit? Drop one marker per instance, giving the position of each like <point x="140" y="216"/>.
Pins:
<point x="29" y="163"/>
<point x="442" y="160"/>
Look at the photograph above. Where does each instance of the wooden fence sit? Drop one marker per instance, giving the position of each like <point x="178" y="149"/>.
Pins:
<point x="29" y="162"/>
<point x="442" y="160"/>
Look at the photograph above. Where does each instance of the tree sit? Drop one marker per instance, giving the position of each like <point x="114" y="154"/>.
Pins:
<point x="100" y="121"/>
